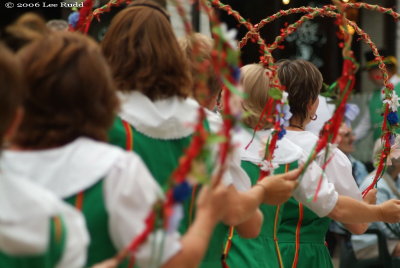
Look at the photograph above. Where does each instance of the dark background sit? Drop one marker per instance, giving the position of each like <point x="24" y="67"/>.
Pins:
<point x="316" y="41"/>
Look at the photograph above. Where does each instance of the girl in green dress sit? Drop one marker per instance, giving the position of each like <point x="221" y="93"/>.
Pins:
<point x="71" y="104"/>
<point x="157" y="117"/>
<point x="281" y="223"/>
<point x="38" y="230"/>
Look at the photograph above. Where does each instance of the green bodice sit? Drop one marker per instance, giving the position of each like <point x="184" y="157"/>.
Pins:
<point x="161" y="157"/>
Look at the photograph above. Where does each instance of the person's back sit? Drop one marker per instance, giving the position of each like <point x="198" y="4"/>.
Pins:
<point x="70" y="105"/>
<point x="36" y="228"/>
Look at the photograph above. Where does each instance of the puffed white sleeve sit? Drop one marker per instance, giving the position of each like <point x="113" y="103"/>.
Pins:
<point x="77" y="239"/>
<point x="304" y="193"/>
<point x="130" y="193"/>
<point x="239" y="177"/>
<point x="339" y="172"/>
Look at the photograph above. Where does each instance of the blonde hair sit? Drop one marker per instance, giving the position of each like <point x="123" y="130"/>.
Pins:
<point x="198" y="48"/>
<point x="255" y="81"/>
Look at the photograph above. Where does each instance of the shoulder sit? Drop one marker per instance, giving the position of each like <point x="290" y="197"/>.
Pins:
<point x="26" y="211"/>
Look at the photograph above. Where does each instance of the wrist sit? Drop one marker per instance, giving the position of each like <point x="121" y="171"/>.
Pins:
<point x="378" y="211"/>
<point x="260" y="191"/>
<point x="207" y="216"/>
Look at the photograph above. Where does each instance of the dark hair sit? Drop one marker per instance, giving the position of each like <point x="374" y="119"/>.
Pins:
<point x="27" y="28"/>
<point x="11" y="89"/>
<point x="303" y="82"/>
<point x="70" y="91"/>
<point x="144" y="54"/>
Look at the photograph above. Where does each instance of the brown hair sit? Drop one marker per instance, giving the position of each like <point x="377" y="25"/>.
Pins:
<point x="27" y="28"/>
<point x="303" y="82"/>
<point x="144" y="54"/>
<point x="198" y="48"/>
<point x="11" y="89"/>
<point x="255" y="81"/>
<point x="70" y="91"/>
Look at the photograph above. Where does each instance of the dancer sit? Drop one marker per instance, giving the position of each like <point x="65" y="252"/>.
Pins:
<point x="264" y="251"/>
<point x="37" y="229"/>
<point x="70" y="106"/>
<point x="153" y="77"/>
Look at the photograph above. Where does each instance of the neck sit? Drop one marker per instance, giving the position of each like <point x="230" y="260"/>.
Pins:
<point x="296" y="125"/>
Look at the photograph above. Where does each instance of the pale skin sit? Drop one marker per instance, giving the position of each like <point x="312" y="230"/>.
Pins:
<point x="354" y="214"/>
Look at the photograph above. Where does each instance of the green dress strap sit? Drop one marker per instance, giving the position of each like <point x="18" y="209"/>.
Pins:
<point x="301" y="237"/>
<point x="91" y="203"/>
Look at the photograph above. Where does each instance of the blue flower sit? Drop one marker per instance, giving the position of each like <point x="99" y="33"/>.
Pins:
<point x="284" y="114"/>
<point x="236" y="73"/>
<point x="393" y="118"/>
<point x="392" y="139"/>
<point x="281" y="133"/>
<point x="182" y="192"/>
<point x="73" y="19"/>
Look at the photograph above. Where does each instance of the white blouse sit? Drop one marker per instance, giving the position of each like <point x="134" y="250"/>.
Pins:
<point x="338" y="170"/>
<point x="287" y="152"/>
<point x="129" y="189"/>
<point x="25" y="213"/>
<point x="175" y="118"/>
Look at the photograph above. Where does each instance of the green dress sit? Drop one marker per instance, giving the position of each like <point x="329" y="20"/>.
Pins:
<point x="48" y="259"/>
<point x="91" y="203"/>
<point x="375" y="111"/>
<point x="301" y="236"/>
<point x="260" y="252"/>
<point x="161" y="157"/>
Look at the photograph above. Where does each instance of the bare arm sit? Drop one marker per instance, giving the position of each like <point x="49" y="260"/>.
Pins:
<point x="348" y="210"/>
<point x="361" y="228"/>
<point x="272" y="190"/>
<point x="194" y="243"/>
<point x="211" y="207"/>
<point x="252" y="227"/>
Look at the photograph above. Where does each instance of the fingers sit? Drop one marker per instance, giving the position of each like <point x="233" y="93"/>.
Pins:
<point x="292" y="175"/>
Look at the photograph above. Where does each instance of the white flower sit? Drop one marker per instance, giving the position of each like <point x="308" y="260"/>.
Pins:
<point x="268" y="166"/>
<point x="285" y="97"/>
<point x="229" y="35"/>
<point x="393" y="102"/>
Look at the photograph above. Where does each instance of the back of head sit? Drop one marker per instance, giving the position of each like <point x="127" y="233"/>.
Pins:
<point x="198" y="48"/>
<point x="377" y="151"/>
<point x="25" y="29"/>
<point x="389" y="60"/>
<point x="57" y="25"/>
<point x="255" y="82"/>
<point x="303" y="82"/>
<point x="11" y="89"/>
<point x="70" y="91"/>
<point x="143" y="52"/>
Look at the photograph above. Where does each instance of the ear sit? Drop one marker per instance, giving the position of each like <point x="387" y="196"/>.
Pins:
<point x="310" y="106"/>
<point x="12" y="129"/>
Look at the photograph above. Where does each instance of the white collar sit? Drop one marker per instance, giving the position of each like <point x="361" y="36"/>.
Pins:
<point x="64" y="170"/>
<point x="21" y="199"/>
<point x="214" y="120"/>
<point x="286" y="151"/>
<point x="171" y="118"/>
